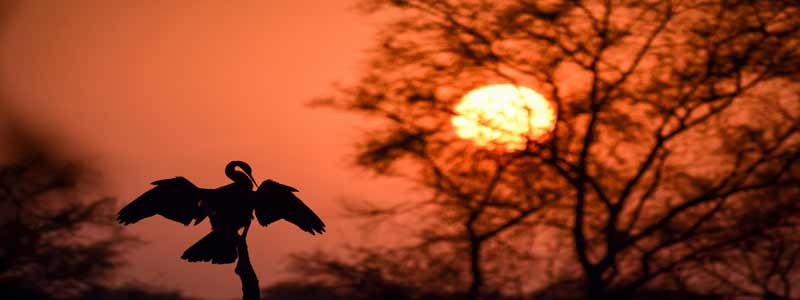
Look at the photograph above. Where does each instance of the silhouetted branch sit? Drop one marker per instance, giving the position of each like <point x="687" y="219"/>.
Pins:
<point x="244" y="269"/>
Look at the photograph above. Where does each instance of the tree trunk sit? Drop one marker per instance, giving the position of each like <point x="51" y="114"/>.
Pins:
<point x="596" y="288"/>
<point x="475" y="269"/>
<point x="250" y="289"/>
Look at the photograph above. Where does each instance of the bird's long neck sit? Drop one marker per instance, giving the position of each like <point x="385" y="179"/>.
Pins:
<point x="231" y="172"/>
<point x="237" y="176"/>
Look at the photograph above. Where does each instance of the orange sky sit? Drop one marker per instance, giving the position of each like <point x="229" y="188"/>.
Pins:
<point x="149" y="90"/>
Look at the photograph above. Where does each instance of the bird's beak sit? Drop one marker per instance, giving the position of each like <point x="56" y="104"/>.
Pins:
<point x="250" y="175"/>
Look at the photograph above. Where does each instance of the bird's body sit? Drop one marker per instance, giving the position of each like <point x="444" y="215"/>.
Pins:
<point x="230" y="208"/>
<point x="230" y="205"/>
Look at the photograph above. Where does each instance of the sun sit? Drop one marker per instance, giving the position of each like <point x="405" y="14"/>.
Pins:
<point x="504" y="117"/>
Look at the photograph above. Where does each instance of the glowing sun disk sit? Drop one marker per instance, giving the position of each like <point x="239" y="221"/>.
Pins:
<point x="503" y="117"/>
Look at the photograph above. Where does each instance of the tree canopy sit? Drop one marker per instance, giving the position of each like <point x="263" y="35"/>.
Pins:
<point x="676" y="144"/>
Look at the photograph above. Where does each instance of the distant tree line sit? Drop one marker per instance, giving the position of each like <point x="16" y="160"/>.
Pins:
<point x="58" y="241"/>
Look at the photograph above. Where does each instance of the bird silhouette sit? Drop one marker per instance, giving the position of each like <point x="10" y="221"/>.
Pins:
<point x="230" y="208"/>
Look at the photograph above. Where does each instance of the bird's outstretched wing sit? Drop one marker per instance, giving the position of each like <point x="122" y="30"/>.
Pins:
<point x="274" y="201"/>
<point x="176" y="199"/>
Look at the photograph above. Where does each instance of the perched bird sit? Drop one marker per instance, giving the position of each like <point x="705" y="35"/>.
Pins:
<point x="230" y="209"/>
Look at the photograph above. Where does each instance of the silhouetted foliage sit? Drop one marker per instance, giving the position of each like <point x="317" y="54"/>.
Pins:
<point x="56" y="243"/>
<point x="132" y="291"/>
<point x="368" y="274"/>
<point x="298" y="290"/>
<point x="676" y="149"/>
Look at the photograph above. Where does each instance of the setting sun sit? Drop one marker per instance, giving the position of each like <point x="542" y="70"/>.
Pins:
<point x="503" y="116"/>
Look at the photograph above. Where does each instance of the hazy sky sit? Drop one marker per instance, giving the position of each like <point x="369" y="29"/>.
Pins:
<point x="149" y="90"/>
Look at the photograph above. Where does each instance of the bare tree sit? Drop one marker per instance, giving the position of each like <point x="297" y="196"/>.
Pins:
<point x="671" y="116"/>
<point x="763" y="266"/>
<point x="477" y="203"/>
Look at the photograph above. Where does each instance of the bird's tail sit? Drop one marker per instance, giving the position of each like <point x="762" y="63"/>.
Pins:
<point x="218" y="247"/>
